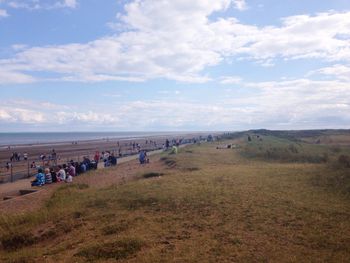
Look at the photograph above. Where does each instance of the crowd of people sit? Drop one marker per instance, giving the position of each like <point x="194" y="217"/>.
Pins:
<point x="66" y="172"/>
<point x="63" y="173"/>
<point x="49" y="172"/>
<point x="18" y="157"/>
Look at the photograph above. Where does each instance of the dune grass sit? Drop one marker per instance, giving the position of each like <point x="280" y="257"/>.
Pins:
<point x="209" y="205"/>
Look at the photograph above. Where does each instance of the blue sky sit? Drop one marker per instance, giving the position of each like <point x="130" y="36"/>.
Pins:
<point x="88" y="65"/>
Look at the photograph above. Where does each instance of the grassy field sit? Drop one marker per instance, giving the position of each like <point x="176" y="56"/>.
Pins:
<point x="270" y="200"/>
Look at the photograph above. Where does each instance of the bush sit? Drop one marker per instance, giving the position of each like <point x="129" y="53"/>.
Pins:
<point x="117" y="250"/>
<point x="152" y="174"/>
<point x="115" y="229"/>
<point x="13" y="241"/>
<point x="284" y="150"/>
<point x="169" y="162"/>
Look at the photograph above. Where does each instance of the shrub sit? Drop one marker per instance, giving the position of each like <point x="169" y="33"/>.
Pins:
<point x="169" y="162"/>
<point x="152" y="174"/>
<point x="283" y="150"/>
<point x="117" y="250"/>
<point x="13" y="241"/>
<point x="115" y="229"/>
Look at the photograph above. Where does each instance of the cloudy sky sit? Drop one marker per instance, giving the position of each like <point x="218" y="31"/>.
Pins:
<point x="149" y="65"/>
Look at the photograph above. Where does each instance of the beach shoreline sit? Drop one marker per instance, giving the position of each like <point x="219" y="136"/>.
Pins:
<point x="132" y="136"/>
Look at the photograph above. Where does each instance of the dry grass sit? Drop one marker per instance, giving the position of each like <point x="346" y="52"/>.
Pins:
<point x="210" y="205"/>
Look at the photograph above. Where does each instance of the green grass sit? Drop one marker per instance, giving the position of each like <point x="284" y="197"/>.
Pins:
<point x="209" y="205"/>
<point x="280" y="149"/>
<point x="334" y="175"/>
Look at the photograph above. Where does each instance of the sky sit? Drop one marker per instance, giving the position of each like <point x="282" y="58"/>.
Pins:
<point x="174" y="65"/>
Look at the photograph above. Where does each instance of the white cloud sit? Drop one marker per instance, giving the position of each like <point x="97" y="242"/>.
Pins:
<point x="178" y="40"/>
<point x="240" y="4"/>
<point x="3" y="13"/>
<point x="303" y="103"/>
<point x="15" y="115"/>
<point x="304" y="36"/>
<point x="338" y="71"/>
<point x="40" y="4"/>
<point x="290" y="104"/>
<point x="14" y="77"/>
<point x="70" y="3"/>
<point x="230" y="80"/>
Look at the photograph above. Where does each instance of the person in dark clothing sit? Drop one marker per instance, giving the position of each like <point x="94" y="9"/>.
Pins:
<point x="142" y="157"/>
<point x="53" y="175"/>
<point x="113" y="160"/>
<point x="167" y="144"/>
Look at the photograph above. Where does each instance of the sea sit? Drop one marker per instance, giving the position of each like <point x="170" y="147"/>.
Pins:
<point x="33" y="138"/>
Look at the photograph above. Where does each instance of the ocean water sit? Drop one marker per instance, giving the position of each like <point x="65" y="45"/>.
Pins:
<point x="19" y="138"/>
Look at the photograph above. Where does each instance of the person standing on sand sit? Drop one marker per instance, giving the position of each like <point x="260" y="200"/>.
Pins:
<point x="97" y="156"/>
